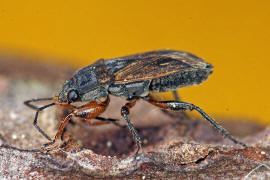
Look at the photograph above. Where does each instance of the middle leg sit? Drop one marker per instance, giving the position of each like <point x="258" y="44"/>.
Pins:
<point x="124" y="113"/>
<point x="110" y="120"/>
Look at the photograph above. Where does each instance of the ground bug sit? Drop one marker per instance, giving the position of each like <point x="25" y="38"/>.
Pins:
<point x="132" y="77"/>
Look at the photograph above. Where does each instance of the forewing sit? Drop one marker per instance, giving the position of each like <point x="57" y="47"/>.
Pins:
<point x="156" y="64"/>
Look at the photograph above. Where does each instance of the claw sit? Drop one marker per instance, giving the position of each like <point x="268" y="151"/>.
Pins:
<point x="139" y="145"/>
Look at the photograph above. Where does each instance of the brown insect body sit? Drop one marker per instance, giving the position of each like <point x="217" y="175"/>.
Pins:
<point x="136" y="75"/>
<point x="132" y="77"/>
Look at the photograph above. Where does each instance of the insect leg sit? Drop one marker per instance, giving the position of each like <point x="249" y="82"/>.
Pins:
<point x="57" y="139"/>
<point x="124" y="113"/>
<point x="87" y="111"/>
<point x="169" y="113"/>
<point x="36" y="118"/>
<point x="102" y="121"/>
<point x="176" y="96"/>
<point x="109" y="120"/>
<point x="182" y="116"/>
<point x="28" y="102"/>
<point x="183" y="106"/>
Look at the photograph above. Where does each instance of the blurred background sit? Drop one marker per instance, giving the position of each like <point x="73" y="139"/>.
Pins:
<point x="232" y="35"/>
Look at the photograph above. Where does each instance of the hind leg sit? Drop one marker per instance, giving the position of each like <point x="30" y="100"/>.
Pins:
<point x="183" y="106"/>
<point x="182" y="116"/>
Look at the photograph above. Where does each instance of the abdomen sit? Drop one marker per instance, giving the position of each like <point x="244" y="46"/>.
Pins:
<point x="179" y="79"/>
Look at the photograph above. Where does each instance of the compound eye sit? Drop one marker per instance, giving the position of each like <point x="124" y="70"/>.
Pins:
<point x="72" y="96"/>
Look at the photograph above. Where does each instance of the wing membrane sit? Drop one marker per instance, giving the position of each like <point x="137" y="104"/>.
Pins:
<point x="155" y="64"/>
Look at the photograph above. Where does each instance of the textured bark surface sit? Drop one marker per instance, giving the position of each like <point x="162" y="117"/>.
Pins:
<point x="172" y="148"/>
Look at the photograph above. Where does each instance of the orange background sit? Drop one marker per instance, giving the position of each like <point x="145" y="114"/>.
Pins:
<point x="232" y="35"/>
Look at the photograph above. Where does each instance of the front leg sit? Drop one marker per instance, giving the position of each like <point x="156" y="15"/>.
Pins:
<point x="87" y="111"/>
<point x="183" y="106"/>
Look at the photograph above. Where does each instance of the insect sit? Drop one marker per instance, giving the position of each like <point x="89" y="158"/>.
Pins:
<point x="132" y="77"/>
